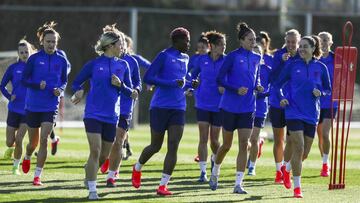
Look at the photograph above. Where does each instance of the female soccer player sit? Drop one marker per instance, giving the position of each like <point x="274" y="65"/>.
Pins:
<point x="207" y="98"/>
<point x="167" y="108"/>
<point x="238" y="75"/>
<point x="108" y="75"/>
<point x="126" y="109"/>
<point x="276" y="112"/>
<point x="260" y="113"/>
<point x="325" y="114"/>
<point x="45" y="77"/>
<point x="306" y="76"/>
<point x="16" y="122"/>
<point x="202" y="47"/>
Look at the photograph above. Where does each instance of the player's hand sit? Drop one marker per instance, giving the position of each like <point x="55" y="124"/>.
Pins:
<point x="286" y="56"/>
<point x="57" y="91"/>
<point x="284" y="102"/>
<point x="42" y="84"/>
<point x="180" y="82"/>
<point x="316" y="92"/>
<point x="76" y="98"/>
<point x="13" y="97"/>
<point x="221" y="89"/>
<point x="242" y="91"/>
<point x="195" y="83"/>
<point x="134" y="94"/>
<point x="115" y="80"/>
<point x="260" y="88"/>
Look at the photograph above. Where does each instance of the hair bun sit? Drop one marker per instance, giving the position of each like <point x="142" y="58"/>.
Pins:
<point x="241" y="26"/>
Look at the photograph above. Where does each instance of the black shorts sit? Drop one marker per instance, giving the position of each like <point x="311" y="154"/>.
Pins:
<point x="296" y="125"/>
<point x="161" y="119"/>
<point x="326" y="113"/>
<point x="106" y="130"/>
<point x="233" y="121"/>
<point x="34" y="119"/>
<point x="15" y="119"/>
<point x="124" y="122"/>
<point x="211" y="117"/>
<point x="259" y="122"/>
<point x="277" y="117"/>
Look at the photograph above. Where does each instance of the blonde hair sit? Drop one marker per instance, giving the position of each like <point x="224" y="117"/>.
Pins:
<point x="24" y="42"/>
<point x="110" y="35"/>
<point x="293" y="32"/>
<point x="326" y="34"/>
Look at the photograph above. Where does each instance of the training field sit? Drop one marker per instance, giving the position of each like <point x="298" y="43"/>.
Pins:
<point x="63" y="175"/>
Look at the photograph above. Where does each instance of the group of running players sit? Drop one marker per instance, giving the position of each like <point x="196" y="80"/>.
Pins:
<point x="233" y="91"/>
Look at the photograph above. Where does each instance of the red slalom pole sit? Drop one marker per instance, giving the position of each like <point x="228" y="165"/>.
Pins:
<point x="343" y="91"/>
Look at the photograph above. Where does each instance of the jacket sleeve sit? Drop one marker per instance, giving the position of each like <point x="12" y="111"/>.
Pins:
<point x="326" y="90"/>
<point x="143" y="62"/>
<point x="126" y="87"/>
<point x="221" y="78"/>
<point x="151" y="77"/>
<point x="64" y="75"/>
<point x="282" y="79"/>
<point x="4" y="81"/>
<point x="85" y="74"/>
<point x="26" y="78"/>
<point x="135" y="77"/>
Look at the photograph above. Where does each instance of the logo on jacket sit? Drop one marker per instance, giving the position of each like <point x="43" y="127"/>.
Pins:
<point x="101" y="68"/>
<point x="18" y="71"/>
<point x="42" y="63"/>
<point x="298" y="71"/>
<point x="206" y="63"/>
<point x="173" y="60"/>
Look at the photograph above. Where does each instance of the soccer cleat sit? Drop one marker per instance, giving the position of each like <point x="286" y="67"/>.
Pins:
<point x="37" y="181"/>
<point x="197" y="158"/>
<point x="213" y="183"/>
<point x="163" y="190"/>
<point x="325" y="171"/>
<point x="93" y="196"/>
<point x="54" y="145"/>
<point x="261" y="143"/>
<point x="9" y="152"/>
<point x="251" y="171"/>
<point x="25" y="165"/>
<point x="110" y="182"/>
<point x="202" y="178"/>
<point x="15" y="170"/>
<point x="136" y="178"/>
<point x="239" y="190"/>
<point x="286" y="178"/>
<point x="298" y="193"/>
<point x="279" y="177"/>
<point x="105" y="166"/>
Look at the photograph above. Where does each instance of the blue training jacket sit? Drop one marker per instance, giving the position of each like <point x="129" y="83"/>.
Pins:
<point x="143" y="62"/>
<point x="169" y="65"/>
<point x="126" y="102"/>
<point x="51" y="68"/>
<point x="240" y="69"/>
<point x="102" y="102"/>
<point x="268" y="60"/>
<point x="325" y="101"/>
<point x="14" y="74"/>
<point x="207" y="95"/>
<point x="302" y="79"/>
<point x="278" y="66"/>
<point x="262" y="100"/>
<point x="193" y="61"/>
